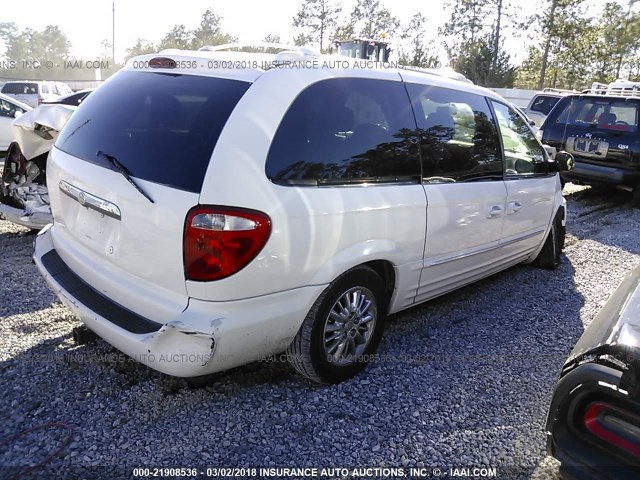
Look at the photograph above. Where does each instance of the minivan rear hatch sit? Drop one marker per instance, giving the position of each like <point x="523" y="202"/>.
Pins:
<point x="596" y="129"/>
<point x="124" y="173"/>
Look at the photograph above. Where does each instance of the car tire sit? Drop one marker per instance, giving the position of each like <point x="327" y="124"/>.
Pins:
<point x="333" y="343"/>
<point x="549" y="256"/>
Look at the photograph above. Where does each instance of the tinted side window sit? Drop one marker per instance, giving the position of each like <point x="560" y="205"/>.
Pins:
<point x="543" y="104"/>
<point x="459" y="140"/>
<point x="523" y="154"/>
<point x="19" y="88"/>
<point x="346" y="130"/>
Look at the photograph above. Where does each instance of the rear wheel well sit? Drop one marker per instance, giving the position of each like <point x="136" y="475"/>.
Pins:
<point x="387" y="274"/>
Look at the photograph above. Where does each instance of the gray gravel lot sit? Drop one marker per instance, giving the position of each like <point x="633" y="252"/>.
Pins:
<point x="464" y="380"/>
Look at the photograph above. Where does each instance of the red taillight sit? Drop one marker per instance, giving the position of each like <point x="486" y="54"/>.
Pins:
<point x="220" y="241"/>
<point x="614" y="427"/>
<point x="162" y="62"/>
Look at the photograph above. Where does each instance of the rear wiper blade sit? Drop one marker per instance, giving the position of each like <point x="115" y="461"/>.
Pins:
<point x="124" y="171"/>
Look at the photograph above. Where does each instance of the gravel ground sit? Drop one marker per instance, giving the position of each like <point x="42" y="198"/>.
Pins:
<point x="463" y="381"/>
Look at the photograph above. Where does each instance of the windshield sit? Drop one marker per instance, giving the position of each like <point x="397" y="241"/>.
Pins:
<point x="161" y="127"/>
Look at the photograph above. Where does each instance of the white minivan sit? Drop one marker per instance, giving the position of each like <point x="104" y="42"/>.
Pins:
<point x="211" y="212"/>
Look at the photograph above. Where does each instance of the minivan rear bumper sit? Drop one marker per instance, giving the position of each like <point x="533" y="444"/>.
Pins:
<point x="589" y="172"/>
<point x="206" y="337"/>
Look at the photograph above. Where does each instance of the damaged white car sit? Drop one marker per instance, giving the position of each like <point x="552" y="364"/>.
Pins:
<point x="24" y="198"/>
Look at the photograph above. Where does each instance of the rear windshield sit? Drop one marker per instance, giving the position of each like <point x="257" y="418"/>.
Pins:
<point x="20" y="88"/>
<point x="543" y="104"/>
<point x="607" y="113"/>
<point x="161" y="127"/>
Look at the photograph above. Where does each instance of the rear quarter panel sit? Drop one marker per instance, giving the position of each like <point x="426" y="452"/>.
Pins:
<point x="317" y="233"/>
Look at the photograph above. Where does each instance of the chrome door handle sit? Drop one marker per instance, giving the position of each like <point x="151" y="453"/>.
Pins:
<point x="495" y="211"/>
<point x="514" y="207"/>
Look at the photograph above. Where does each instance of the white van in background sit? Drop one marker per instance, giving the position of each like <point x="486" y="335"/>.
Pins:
<point x="542" y="103"/>
<point x="34" y="93"/>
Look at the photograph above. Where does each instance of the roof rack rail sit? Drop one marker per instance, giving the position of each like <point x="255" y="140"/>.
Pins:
<point x="439" y="72"/>
<point x="621" y="88"/>
<point x="557" y="90"/>
<point x="264" y="45"/>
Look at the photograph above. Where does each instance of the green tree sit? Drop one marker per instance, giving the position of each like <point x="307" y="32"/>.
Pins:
<point x="554" y="21"/>
<point x="572" y="57"/>
<point x="301" y="40"/>
<point x="210" y="32"/>
<point x="271" y="38"/>
<point x="478" y="61"/>
<point x="370" y="20"/>
<point x="467" y="22"/>
<point x="178" y="37"/>
<point x="141" y="47"/>
<point x="48" y="44"/>
<point x="419" y="53"/>
<point x="317" y="20"/>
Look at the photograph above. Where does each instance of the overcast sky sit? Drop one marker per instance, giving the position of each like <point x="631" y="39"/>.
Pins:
<point x="88" y="22"/>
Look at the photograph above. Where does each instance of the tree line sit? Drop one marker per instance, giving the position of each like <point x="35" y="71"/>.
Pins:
<point x="567" y="44"/>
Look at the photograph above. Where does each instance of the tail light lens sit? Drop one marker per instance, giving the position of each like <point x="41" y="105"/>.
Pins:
<point x="614" y="427"/>
<point x="220" y="241"/>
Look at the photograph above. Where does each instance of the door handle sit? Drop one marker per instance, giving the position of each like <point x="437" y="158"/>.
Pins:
<point x="495" y="211"/>
<point x="514" y="207"/>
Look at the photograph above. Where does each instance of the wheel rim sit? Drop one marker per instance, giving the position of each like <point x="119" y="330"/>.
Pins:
<point x="349" y="327"/>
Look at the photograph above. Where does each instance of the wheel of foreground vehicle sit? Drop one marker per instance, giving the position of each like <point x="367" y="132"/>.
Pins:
<point x="549" y="256"/>
<point x="343" y="328"/>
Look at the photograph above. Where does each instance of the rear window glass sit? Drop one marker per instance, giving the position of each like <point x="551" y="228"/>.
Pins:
<point x="607" y="114"/>
<point x="161" y="127"/>
<point x="543" y="104"/>
<point x="20" y="88"/>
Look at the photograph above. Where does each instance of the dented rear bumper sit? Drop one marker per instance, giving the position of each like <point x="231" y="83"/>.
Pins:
<point x="206" y="337"/>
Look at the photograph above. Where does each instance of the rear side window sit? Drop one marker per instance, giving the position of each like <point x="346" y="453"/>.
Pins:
<point x="346" y="130"/>
<point x="458" y="136"/>
<point x="161" y="127"/>
<point x="604" y="113"/>
<point x="543" y="104"/>
<point x="20" y="88"/>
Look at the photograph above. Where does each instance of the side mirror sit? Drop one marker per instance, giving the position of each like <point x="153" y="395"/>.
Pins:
<point x="17" y="114"/>
<point x="564" y="161"/>
<point x="532" y="123"/>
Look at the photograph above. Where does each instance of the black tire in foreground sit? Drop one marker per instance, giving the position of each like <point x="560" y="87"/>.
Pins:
<point x="549" y="256"/>
<point x="343" y="329"/>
